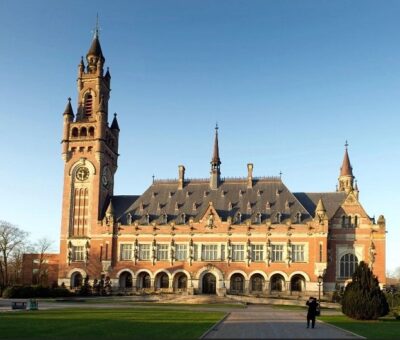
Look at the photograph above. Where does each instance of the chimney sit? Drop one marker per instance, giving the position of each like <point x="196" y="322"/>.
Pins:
<point x="249" y="175"/>
<point x="181" y="178"/>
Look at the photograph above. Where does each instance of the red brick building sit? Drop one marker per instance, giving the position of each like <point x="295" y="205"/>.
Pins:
<point x="248" y="235"/>
<point x="40" y="269"/>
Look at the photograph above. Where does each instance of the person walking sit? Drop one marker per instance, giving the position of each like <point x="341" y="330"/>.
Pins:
<point x="312" y="311"/>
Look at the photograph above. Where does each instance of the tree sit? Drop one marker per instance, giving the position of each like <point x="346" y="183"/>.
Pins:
<point x="42" y="246"/>
<point x="11" y="239"/>
<point x="363" y="299"/>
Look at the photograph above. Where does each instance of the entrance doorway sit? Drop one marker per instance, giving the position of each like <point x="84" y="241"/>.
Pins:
<point x="209" y="284"/>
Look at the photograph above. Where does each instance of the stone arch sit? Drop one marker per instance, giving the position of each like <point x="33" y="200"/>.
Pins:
<point x="143" y="279"/>
<point x="180" y="280"/>
<point x="257" y="282"/>
<point x="216" y="272"/>
<point x="125" y="278"/>
<point x="236" y="283"/>
<point x="162" y="279"/>
<point x="237" y="272"/>
<point x="278" y="282"/>
<point x="76" y="277"/>
<point x="299" y="272"/>
<point x="297" y="283"/>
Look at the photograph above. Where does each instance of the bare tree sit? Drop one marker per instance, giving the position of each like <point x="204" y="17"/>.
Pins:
<point x="42" y="246"/>
<point x="11" y="238"/>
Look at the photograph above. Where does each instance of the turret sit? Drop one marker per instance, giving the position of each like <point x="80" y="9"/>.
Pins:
<point x="346" y="178"/>
<point x="215" y="174"/>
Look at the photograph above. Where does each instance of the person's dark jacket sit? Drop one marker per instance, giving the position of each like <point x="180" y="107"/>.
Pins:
<point x="312" y="308"/>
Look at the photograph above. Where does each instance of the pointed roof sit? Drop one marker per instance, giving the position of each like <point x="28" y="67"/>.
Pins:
<point x="346" y="169"/>
<point x="68" y="108"/>
<point x="320" y="206"/>
<point x="114" y="124"/>
<point x="110" y="209"/>
<point x="215" y="159"/>
<point x="95" y="48"/>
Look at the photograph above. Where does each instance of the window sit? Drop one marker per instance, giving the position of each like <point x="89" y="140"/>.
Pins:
<point x="258" y="218"/>
<point x="298" y="218"/>
<point x="209" y="252"/>
<point x="343" y="221"/>
<point x="88" y="104"/>
<point x="298" y="252"/>
<point x="320" y="253"/>
<point x="278" y="217"/>
<point x="144" y="251"/>
<point x="162" y="252"/>
<point x="126" y="252"/>
<point x="348" y="263"/>
<point x="356" y="221"/>
<point x="277" y="253"/>
<point x="237" y="252"/>
<point x="78" y="253"/>
<point x="257" y="252"/>
<point x="181" y="252"/>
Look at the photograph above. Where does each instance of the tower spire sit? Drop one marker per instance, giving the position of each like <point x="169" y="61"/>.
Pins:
<point x="346" y="177"/>
<point x="95" y="54"/>
<point x="215" y="173"/>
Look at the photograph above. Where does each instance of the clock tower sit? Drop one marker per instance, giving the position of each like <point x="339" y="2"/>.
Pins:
<point x="90" y="154"/>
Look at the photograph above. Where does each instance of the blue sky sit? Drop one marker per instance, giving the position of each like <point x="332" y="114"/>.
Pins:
<point x="287" y="81"/>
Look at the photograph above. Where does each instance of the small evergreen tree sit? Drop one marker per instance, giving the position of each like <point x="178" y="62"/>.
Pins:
<point x="363" y="299"/>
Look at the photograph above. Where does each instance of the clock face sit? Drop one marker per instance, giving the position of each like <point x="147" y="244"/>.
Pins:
<point x="82" y="174"/>
<point x="106" y="177"/>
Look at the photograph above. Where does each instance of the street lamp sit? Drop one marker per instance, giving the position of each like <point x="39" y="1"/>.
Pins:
<point x="320" y="280"/>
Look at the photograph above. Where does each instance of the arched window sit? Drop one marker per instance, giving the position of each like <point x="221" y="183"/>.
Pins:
<point x="74" y="132"/>
<point x="298" y="218"/>
<point x="164" y="281"/>
<point x="348" y="263"/>
<point x="343" y="221"/>
<point x="258" y="218"/>
<point x="83" y="132"/>
<point x="91" y="131"/>
<point x="238" y="218"/>
<point x="349" y="225"/>
<point x="356" y="221"/>
<point x="257" y="283"/>
<point x="278" y="217"/>
<point x="237" y="283"/>
<point x="88" y="104"/>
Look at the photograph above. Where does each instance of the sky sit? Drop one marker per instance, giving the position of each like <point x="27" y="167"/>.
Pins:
<point x="287" y="81"/>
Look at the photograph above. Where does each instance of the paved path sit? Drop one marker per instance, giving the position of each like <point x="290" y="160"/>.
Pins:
<point x="264" y="322"/>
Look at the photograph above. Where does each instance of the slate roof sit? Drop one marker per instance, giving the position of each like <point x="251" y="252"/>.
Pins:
<point x="331" y="201"/>
<point x="268" y="197"/>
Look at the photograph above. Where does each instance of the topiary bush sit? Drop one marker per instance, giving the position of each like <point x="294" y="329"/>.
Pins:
<point x="363" y="299"/>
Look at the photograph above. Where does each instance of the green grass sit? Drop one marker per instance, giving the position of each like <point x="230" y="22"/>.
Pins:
<point x="127" y="323"/>
<point x="377" y="329"/>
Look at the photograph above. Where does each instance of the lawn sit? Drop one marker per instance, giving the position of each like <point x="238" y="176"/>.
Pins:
<point x="379" y="329"/>
<point x="127" y="323"/>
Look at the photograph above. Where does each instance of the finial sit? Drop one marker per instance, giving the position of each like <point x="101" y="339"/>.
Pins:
<point x="97" y="27"/>
<point x="153" y="177"/>
<point x="69" y="99"/>
<point x="216" y="126"/>
<point x="115" y="114"/>
<point x="280" y="174"/>
<point x="346" y="144"/>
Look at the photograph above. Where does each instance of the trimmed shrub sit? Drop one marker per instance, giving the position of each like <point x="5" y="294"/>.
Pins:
<point x="27" y="292"/>
<point x="363" y="299"/>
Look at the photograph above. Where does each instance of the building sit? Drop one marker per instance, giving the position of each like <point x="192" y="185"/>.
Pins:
<point x="40" y="269"/>
<point x="248" y="235"/>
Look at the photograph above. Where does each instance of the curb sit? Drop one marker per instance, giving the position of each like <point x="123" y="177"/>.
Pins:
<point x="214" y="327"/>
<point x="342" y="329"/>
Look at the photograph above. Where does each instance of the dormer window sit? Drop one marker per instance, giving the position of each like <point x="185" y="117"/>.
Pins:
<point x="183" y="218"/>
<point x="194" y="207"/>
<point x="258" y="218"/>
<point x="298" y="218"/>
<point x="230" y="206"/>
<point x="165" y="219"/>
<point x="128" y="219"/>
<point x="147" y="219"/>
<point x="238" y="218"/>
<point x="278" y="217"/>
